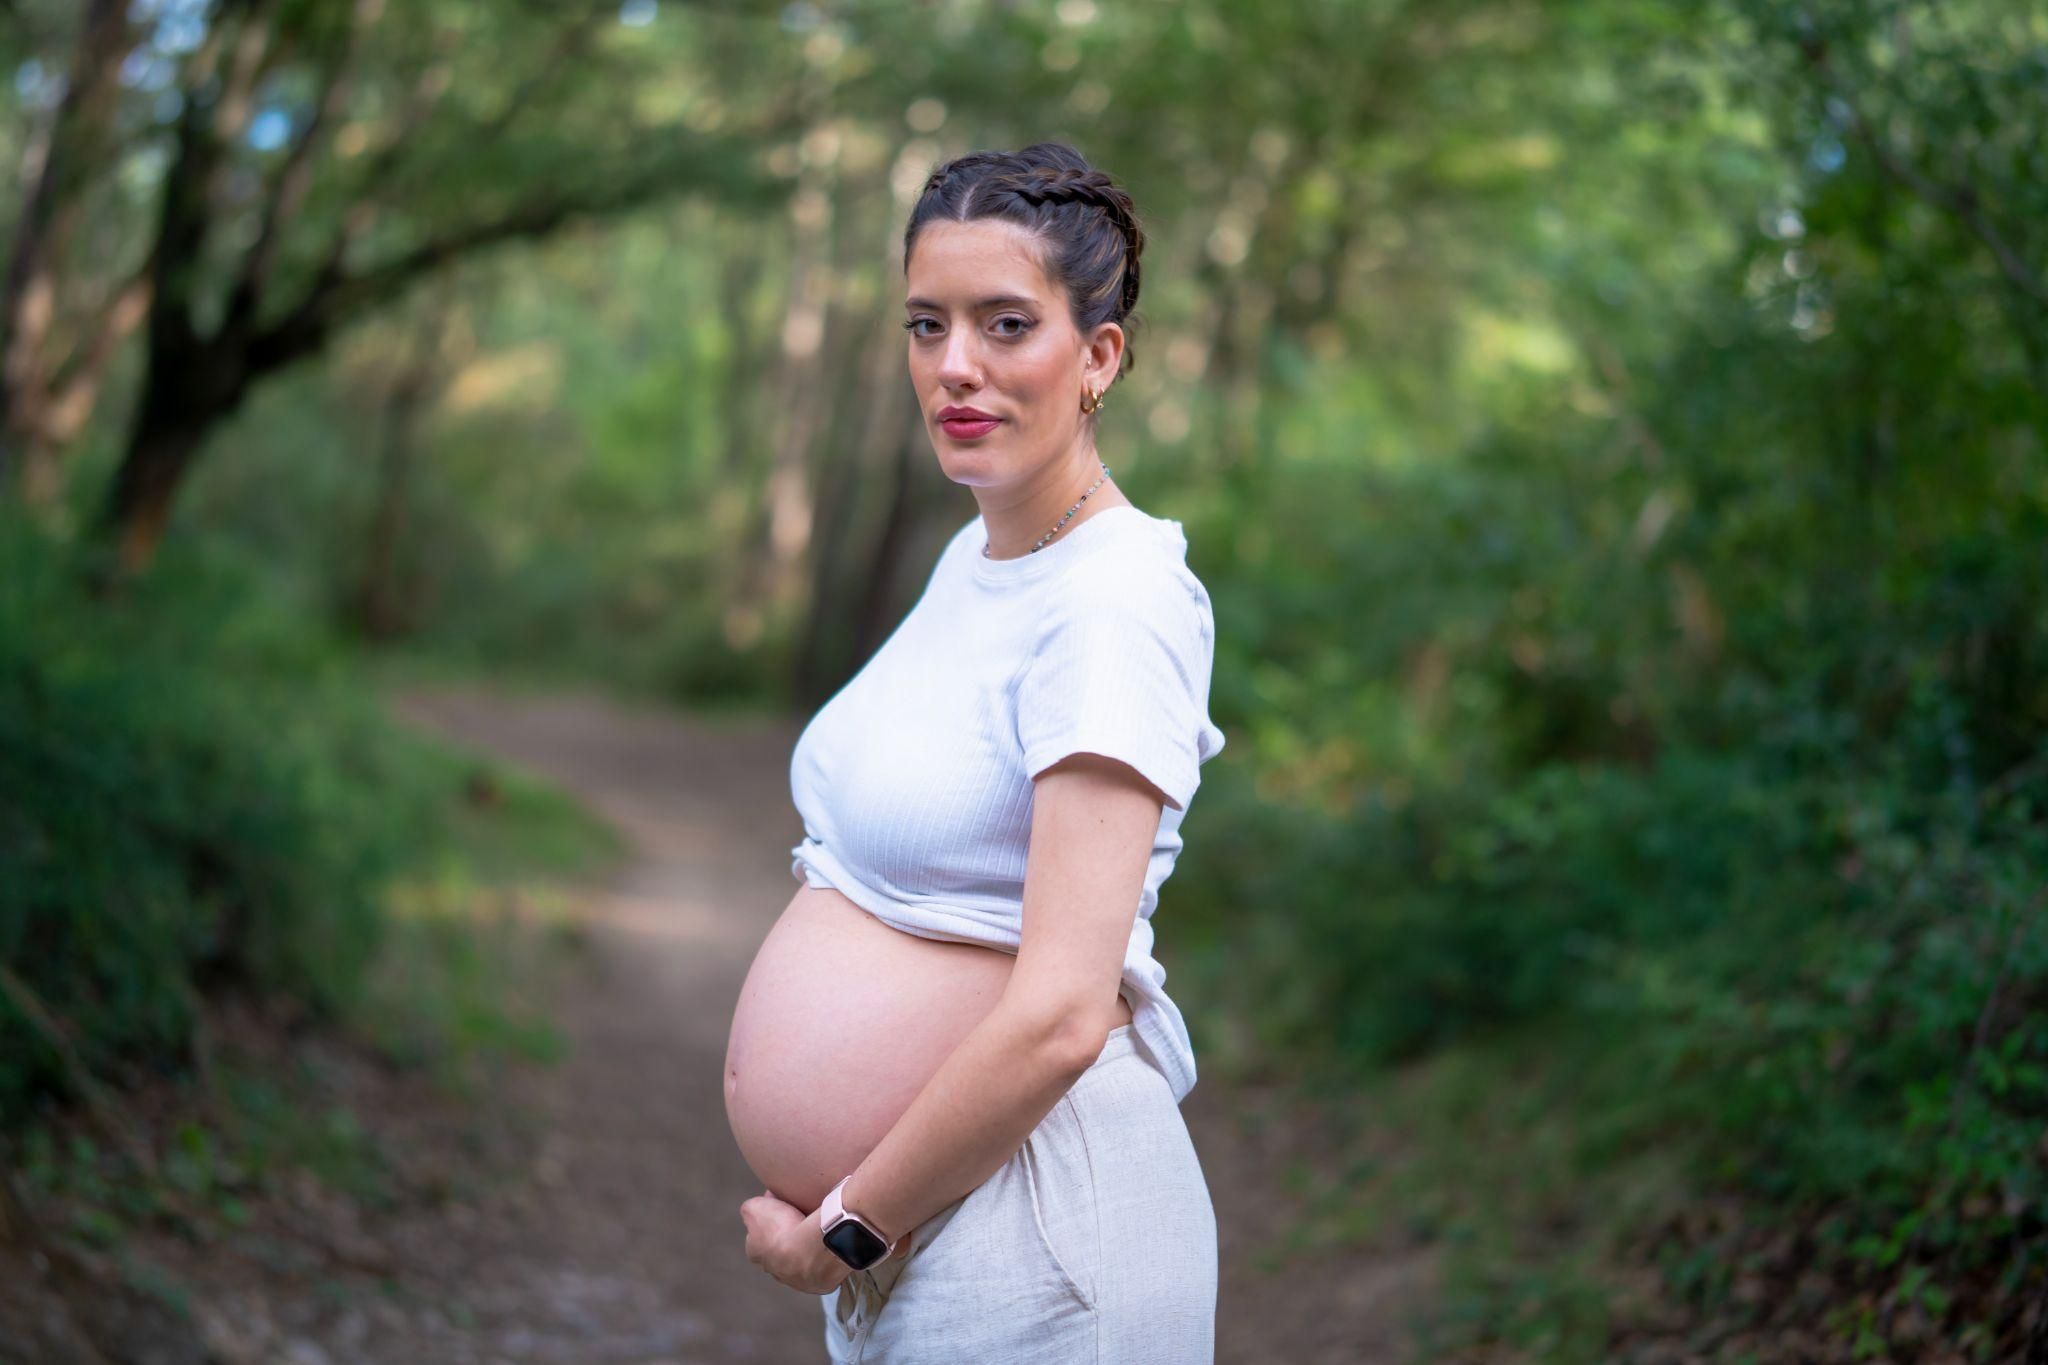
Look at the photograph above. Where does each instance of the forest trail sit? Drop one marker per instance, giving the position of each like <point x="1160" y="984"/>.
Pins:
<point x="628" y="1246"/>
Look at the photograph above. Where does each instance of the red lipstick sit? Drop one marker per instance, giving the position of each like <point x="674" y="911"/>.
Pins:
<point x="965" y="424"/>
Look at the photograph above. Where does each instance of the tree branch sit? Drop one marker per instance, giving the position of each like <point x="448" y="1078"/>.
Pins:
<point x="335" y="298"/>
<point x="1959" y="199"/>
<point x="288" y="190"/>
<point x="426" y="94"/>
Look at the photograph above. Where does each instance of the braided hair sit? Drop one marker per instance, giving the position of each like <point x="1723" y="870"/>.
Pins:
<point x="1087" y="220"/>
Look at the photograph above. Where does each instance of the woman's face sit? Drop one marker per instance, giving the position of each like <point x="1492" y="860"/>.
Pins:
<point x="988" y="331"/>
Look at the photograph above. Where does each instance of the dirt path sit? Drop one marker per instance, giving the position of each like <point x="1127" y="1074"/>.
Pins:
<point x="633" y="1252"/>
<point x="618" y="1237"/>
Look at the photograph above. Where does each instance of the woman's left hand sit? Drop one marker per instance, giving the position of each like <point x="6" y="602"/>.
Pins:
<point x="786" y="1242"/>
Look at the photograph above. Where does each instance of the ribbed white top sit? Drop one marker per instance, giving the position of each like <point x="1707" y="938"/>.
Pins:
<point x="915" y="780"/>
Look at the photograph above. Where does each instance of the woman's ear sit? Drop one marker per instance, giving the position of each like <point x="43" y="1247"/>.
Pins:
<point x="1104" y="356"/>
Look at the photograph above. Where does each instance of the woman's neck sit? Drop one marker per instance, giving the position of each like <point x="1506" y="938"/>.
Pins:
<point x="1014" y="528"/>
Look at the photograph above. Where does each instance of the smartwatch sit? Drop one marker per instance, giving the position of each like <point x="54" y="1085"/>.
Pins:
<point x="848" y="1236"/>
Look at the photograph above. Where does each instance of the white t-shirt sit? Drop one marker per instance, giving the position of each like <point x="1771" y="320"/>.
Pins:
<point x="915" y="780"/>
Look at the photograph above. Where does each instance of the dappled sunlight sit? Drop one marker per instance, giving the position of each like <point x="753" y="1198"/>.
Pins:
<point x="527" y="376"/>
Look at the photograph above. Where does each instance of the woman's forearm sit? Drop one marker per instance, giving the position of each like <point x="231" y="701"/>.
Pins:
<point x="971" y="1117"/>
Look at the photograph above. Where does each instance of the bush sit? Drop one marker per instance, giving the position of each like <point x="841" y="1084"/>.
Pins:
<point x="192" y="791"/>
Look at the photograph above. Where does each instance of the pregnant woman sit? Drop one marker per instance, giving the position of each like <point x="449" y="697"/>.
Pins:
<point x="954" y="1066"/>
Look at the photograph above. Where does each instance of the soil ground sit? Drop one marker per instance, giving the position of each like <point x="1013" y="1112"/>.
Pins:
<point x="599" y="1219"/>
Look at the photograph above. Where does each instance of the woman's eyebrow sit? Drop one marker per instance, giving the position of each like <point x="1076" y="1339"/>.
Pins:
<point x="992" y="301"/>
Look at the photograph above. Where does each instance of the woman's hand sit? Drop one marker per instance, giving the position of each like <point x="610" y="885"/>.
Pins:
<point x="787" y="1243"/>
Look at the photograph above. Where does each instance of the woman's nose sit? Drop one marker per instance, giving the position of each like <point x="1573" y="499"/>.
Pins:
<point x="958" y="364"/>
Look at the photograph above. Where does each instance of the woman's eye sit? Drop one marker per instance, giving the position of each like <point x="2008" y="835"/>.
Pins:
<point x="1023" y="325"/>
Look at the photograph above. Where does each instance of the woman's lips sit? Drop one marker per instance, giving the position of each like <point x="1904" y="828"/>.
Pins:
<point x="967" y="428"/>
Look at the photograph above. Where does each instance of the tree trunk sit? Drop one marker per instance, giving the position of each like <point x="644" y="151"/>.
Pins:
<point x="772" y="552"/>
<point x="875" y="616"/>
<point x="849" y="478"/>
<point x="140" y="505"/>
<point x="378" y="613"/>
<point x="191" y="386"/>
<point x="55" y="166"/>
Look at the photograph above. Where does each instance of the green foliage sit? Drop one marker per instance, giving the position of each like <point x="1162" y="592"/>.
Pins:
<point x="167" y="821"/>
<point x="1696" y="705"/>
<point x="197" y="789"/>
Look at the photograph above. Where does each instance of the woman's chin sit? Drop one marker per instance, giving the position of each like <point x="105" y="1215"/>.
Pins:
<point x="968" y="465"/>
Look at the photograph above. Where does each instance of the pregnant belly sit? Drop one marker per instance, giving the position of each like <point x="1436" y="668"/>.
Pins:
<point x="840" y="1023"/>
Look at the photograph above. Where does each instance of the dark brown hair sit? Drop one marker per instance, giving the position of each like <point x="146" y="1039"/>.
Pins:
<point x="1087" y="221"/>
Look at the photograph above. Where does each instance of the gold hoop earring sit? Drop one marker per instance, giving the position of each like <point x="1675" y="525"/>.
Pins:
<point x="1095" y="400"/>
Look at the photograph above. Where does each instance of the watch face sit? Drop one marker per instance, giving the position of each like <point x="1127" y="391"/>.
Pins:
<point x="852" y="1243"/>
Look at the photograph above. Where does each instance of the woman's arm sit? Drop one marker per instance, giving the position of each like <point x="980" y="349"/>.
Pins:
<point x="1092" y="826"/>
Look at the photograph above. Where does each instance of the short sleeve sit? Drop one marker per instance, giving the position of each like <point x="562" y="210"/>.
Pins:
<point x="1121" y="668"/>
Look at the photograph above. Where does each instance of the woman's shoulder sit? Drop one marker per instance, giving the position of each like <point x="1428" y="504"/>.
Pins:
<point x="1142" y="565"/>
<point x="1156" y="546"/>
<point x="1129" y="554"/>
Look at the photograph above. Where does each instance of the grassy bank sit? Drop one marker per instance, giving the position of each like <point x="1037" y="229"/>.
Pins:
<point x="228" y="881"/>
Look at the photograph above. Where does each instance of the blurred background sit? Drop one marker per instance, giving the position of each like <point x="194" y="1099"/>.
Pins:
<point x="1611" y="433"/>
